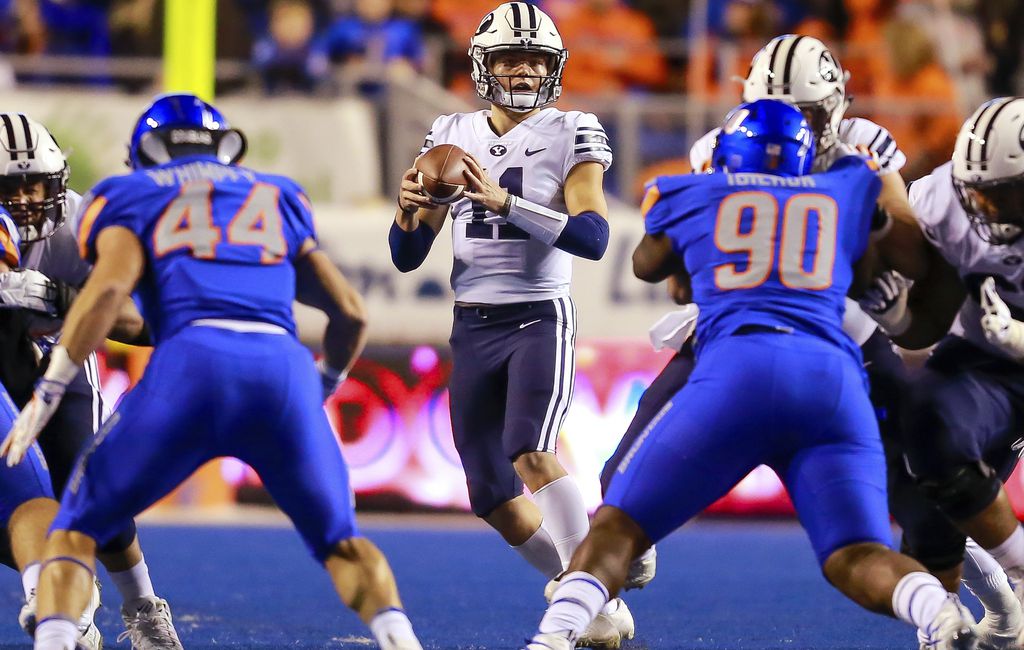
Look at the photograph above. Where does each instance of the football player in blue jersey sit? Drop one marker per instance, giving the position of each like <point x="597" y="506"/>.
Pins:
<point x="216" y="254"/>
<point x="770" y="252"/>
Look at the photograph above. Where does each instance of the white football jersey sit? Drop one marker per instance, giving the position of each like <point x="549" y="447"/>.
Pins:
<point x="500" y="264"/>
<point x="853" y="132"/>
<point x="948" y="228"/>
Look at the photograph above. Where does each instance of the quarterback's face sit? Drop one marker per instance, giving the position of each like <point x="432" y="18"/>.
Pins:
<point x="520" y="70"/>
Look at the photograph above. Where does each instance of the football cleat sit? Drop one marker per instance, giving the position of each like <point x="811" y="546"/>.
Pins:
<point x="642" y="570"/>
<point x="1002" y="630"/>
<point x="952" y="629"/>
<point x="620" y="615"/>
<point x="603" y="632"/>
<point x="549" y="642"/>
<point x="148" y="625"/>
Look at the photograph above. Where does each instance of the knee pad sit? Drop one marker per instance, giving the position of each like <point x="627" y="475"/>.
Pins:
<point x="965" y="492"/>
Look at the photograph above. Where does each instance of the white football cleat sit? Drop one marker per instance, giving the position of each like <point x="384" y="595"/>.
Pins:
<point x="1001" y="630"/>
<point x="148" y="625"/>
<point x="27" y="615"/>
<point x="549" y="642"/>
<point x="642" y="570"/>
<point x="90" y="637"/>
<point x="952" y="629"/>
<point x="403" y="643"/>
<point x="620" y="615"/>
<point x="601" y="633"/>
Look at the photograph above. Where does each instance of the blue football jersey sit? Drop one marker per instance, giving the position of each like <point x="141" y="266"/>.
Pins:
<point x="768" y="250"/>
<point x="219" y="240"/>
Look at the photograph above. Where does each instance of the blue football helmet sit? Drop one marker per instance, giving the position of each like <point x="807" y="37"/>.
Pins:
<point x="181" y="124"/>
<point x="766" y="137"/>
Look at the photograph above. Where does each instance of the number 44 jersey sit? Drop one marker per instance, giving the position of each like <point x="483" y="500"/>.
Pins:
<point x="219" y="240"/>
<point x="499" y="263"/>
<point x="768" y="250"/>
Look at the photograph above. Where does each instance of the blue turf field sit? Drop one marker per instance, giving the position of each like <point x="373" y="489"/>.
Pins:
<point x="720" y="585"/>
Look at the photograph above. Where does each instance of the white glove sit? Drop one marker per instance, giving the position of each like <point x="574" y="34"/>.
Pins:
<point x="33" y="418"/>
<point x="886" y="302"/>
<point x="672" y="329"/>
<point x="37" y="413"/>
<point x="999" y="326"/>
<point x="28" y="289"/>
<point x="330" y="378"/>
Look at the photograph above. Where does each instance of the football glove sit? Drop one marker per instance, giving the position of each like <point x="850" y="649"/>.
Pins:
<point x="46" y="397"/>
<point x="886" y="302"/>
<point x="29" y="289"/>
<point x="998" y="324"/>
<point x="330" y="378"/>
<point x="672" y="329"/>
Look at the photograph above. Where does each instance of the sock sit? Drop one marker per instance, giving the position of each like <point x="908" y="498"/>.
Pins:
<point x="541" y="553"/>
<point x="577" y="601"/>
<point x="565" y="516"/>
<point x="987" y="581"/>
<point x="56" y="634"/>
<point x="918" y="597"/>
<point x="391" y="624"/>
<point x="30" y="579"/>
<point x="1010" y="555"/>
<point x="133" y="583"/>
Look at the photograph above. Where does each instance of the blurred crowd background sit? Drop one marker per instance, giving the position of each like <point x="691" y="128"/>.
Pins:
<point x="917" y="66"/>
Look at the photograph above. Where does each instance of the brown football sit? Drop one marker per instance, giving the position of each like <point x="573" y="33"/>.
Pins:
<point x="441" y="173"/>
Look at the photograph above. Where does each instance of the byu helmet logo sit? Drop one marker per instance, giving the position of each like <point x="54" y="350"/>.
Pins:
<point x="827" y="67"/>
<point x="485" y="24"/>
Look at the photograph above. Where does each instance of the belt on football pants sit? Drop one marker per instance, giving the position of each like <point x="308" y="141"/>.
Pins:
<point x="246" y="326"/>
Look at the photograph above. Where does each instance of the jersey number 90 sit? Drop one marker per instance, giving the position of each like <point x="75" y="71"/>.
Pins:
<point x="758" y="241"/>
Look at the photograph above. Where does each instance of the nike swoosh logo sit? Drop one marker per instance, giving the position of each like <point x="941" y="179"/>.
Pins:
<point x="530" y="153"/>
<point x="522" y="325"/>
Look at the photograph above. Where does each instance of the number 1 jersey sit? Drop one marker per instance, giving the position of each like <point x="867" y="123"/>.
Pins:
<point x="219" y="240"/>
<point x="768" y="250"/>
<point x="499" y="263"/>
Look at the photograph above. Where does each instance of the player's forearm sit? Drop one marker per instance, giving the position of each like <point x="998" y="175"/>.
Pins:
<point x="409" y="248"/>
<point x="130" y="327"/>
<point x="344" y="340"/>
<point x="92" y="317"/>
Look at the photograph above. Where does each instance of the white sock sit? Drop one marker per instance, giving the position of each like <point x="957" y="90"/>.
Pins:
<point x="133" y="583"/>
<point x="987" y="581"/>
<point x="541" y="553"/>
<point x="56" y="634"/>
<point x="918" y="597"/>
<point x="30" y="579"/>
<point x="389" y="625"/>
<point x="1010" y="555"/>
<point x="574" y="605"/>
<point x="565" y="516"/>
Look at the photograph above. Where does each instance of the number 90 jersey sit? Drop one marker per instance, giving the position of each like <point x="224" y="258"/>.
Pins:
<point x="768" y="250"/>
<point x="499" y="263"/>
<point x="219" y="240"/>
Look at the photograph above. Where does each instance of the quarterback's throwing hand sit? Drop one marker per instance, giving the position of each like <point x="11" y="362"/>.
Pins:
<point x="32" y="419"/>
<point x="484" y="190"/>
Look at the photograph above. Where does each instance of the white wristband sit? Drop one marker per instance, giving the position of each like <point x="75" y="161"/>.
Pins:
<point x="543" y="224"/>
<point x="61" y="369"/>
<point x="332" y="374"/>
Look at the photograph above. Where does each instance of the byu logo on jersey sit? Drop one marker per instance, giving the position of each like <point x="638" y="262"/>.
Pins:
<point x="499" y="150"/>
<point x="827" y="67"/>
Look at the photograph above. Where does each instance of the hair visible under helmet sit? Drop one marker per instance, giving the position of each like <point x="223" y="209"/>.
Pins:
<point x="522" y="27"/>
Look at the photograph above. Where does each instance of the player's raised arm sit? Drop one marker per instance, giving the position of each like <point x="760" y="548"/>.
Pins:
<point x="417" y="222"/>
<point x="319" y="283"/>
<point x="902" y="246"/>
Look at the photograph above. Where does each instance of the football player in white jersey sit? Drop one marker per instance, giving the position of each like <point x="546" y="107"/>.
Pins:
<point x="966" y="412"/>
<point x="801" y="70"/>
<point x="33" y="188"/>
<point x="534" y="200"/>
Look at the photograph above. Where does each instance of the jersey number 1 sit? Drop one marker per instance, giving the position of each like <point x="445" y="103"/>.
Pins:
<point x="759" y="245"/>
<point x="188" y="223"/>
<point x="512" y="180"/>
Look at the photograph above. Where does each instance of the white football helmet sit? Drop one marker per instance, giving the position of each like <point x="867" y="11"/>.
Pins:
<point x="988" y="169"/>
<point x="802" y="71"/>
<point x="31" y="161"/>
<point x="517" y="26"/>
